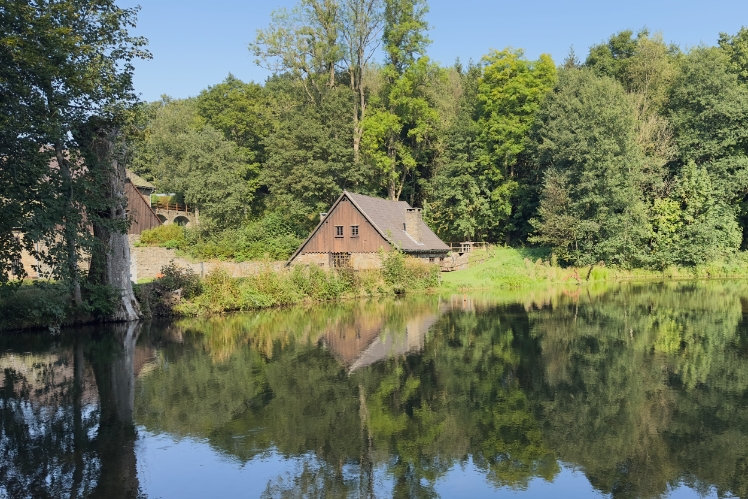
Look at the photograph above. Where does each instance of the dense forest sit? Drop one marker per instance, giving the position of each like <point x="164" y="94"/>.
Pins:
<point x="636" y="156"/>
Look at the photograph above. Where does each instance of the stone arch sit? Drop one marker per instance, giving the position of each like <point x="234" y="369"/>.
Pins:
<point x="181" y="220"/>
<point x="179" y="217"/>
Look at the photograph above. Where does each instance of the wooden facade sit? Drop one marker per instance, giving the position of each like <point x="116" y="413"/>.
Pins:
<point x="139" y="210"/>
<point x="347" y="216"/>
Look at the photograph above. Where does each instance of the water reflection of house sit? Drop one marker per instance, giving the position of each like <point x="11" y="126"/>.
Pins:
<point x="370" y="339"/>
<point x="48" y="379"/>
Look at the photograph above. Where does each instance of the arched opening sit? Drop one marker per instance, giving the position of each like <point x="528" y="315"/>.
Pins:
<point x="162" y="218"/>
<point x="181" y="221"/>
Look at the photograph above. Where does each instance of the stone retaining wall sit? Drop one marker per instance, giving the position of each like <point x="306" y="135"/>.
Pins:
<point x="146" y="263"/>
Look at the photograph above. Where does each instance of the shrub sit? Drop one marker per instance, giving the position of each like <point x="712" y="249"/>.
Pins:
<point x="42" y="304"/>
<point x="220" y="292"/>
<point x="273" y="236"/>
<point x="171" y="235"/>
<point x="403" y="273"/>
<point x="176" y="277"/>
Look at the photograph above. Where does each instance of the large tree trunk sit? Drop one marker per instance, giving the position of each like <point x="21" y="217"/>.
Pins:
<point x="70" y="228"/>
<point x="110" y="265"/>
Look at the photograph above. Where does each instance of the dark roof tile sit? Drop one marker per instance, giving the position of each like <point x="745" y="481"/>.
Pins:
<point x="388" y="218"/>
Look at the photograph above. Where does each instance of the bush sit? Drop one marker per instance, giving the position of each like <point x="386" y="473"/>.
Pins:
<point x="175" y="277"/>
<point x="273" y="236"/>
<point x="171" y="235"/>
<point x="39" y="305"/>
<point x="220" y="291"/>
<point x="403" y="273"/>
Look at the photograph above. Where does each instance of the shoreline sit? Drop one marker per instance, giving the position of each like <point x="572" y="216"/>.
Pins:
<point x="182" y="294"/>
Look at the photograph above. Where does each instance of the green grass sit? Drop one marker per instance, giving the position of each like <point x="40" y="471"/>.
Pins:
<point x="505" y="268"/>
<point x="512" y="268"/>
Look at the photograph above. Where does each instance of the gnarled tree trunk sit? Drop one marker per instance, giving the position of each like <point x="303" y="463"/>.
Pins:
<point x="110" y="264"/>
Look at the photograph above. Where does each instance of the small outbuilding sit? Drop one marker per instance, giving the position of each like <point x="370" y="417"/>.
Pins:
<point x="357" y="227"/>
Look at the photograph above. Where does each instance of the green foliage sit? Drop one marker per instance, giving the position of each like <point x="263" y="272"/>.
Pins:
<point x="163" y="235"/>
<point x="63" y="65"/>
<point x="174" y="277"/>
<point x="185" y="155"/>
<point x="690" y="228"/>
<point x="510" y="93"/>
<point x="239" y="110"/>
<point x="310" y="162"/>
<point x="404" y="121"/>
<point x="589" y="160"/>
<point x="40" y="305"/>
<point x="708" y="110"/>
<point x="736" y="48"/>
<point x="591" y="204"/>
<point x="273" y="236"/>
<point x="404" y="273"/>
<point x="48" y="305"/>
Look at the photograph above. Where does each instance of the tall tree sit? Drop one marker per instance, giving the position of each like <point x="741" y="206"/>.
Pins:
<point x="304" y="42"/>
<point x="510" y="94"/>
<point x="708" y="110"/>
<point x="398" y="135"/>
<point x="105" y="154"/>
<point x="62" y="62"/>
<point x="591" y="203"/>
<point x="320" y="38"/>
<point x="362" y="23"/>
<point x="194" y="160"/>
<point x="309" y="157"/>
<point x="239" y="110"/>
<point x="459" y="204"/>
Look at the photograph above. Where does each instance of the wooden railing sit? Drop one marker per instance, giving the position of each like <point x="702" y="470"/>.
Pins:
<point x="467" y="246"/>
<point x="171" y="207"/>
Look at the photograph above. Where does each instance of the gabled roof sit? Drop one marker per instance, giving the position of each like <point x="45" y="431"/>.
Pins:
<point x="139" y="181"/>
<point x="387" y="217"/>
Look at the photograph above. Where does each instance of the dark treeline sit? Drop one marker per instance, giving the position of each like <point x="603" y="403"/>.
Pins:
<point x="636" y="156"/>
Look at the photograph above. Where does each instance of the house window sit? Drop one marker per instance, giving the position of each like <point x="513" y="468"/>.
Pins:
<point x="341" y="260"/>
<point x="431" y="259"/>
<point x="354" y="230"/>
<point x="338" y="231"/>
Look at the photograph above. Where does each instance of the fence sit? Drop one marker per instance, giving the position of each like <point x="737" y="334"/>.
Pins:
<point x="467" y="246"/>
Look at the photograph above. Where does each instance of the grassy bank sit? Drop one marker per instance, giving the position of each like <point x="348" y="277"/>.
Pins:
<point x="181" y="292"/>
<point x="522" y="268"/>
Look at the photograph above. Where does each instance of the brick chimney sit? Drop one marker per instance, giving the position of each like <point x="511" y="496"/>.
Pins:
<point x="413" y="223"/>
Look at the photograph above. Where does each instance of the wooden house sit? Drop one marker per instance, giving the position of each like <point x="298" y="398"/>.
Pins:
<point x="138" y="192"/>
<point x="357" y="227"/>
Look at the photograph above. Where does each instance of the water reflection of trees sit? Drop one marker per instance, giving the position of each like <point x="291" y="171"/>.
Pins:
<point x="647" y="386"/>
<point x="66" y="416"/>
<point x="417" y="414"/>
<point x="642" y="387"/>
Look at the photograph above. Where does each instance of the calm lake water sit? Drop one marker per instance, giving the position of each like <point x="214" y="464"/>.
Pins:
<point x="638" y="390"/>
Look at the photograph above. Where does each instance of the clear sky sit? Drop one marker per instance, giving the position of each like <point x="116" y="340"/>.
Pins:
<point x="197" y="43"/>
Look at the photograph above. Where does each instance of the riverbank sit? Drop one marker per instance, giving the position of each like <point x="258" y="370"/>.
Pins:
<point x="181" y="292"/>
<point x="515" y="268"/>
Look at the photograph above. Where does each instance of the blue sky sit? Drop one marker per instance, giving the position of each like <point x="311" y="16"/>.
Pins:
<point x="197" y="43"/>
